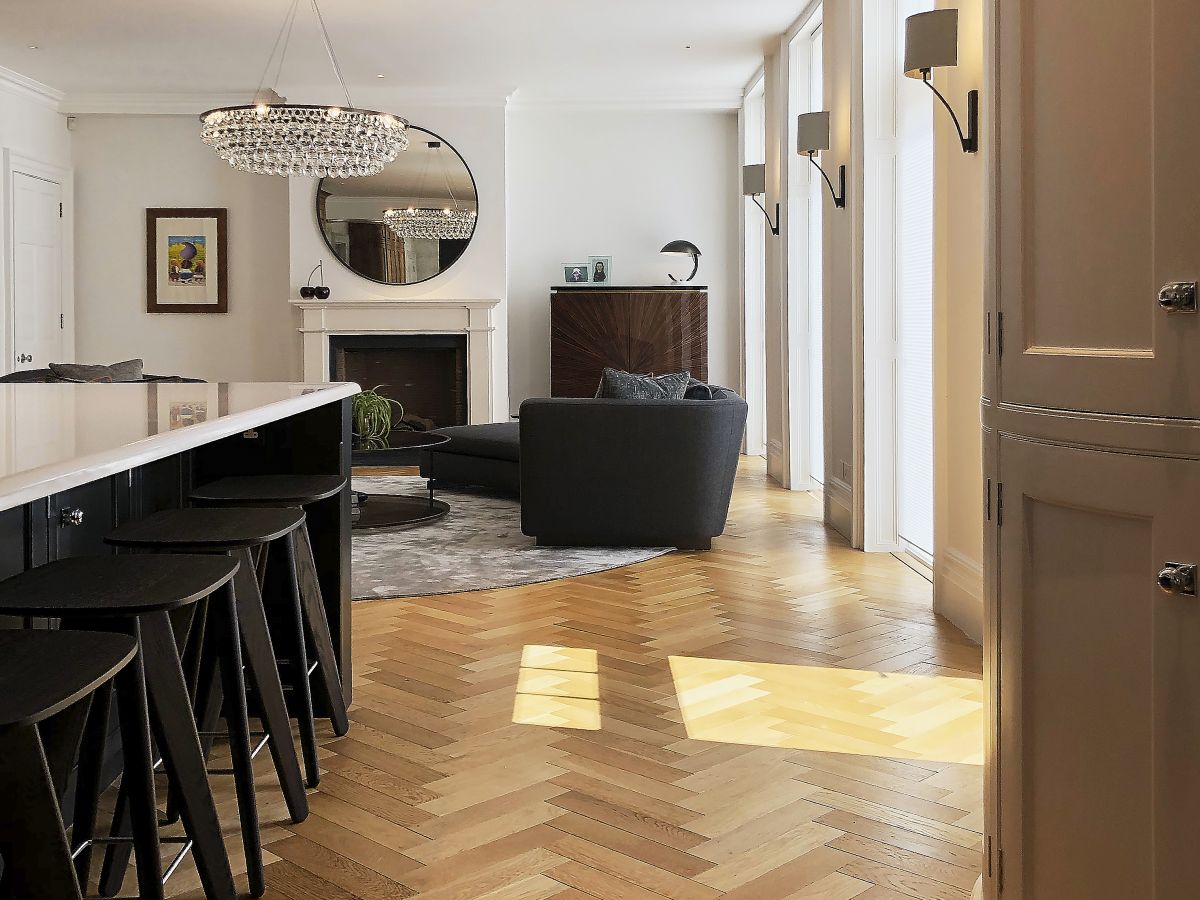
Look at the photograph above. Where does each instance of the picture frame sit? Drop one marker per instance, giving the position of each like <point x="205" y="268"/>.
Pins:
<point x="600" y="269"/>
<point x="577" y="273"/>
<point x="187" y="260"/>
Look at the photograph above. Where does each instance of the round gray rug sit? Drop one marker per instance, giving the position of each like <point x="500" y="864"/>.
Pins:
<point x="477" y="546"/>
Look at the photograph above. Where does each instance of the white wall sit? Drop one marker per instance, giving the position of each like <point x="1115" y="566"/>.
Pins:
<point x="125" y="164"/>
<point x="621" y="184"/>
<point x="478" y="134"/>
<point x="958" y="339"/>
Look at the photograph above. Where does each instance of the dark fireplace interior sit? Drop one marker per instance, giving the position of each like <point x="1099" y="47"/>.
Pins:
<point x="425" y="373"/>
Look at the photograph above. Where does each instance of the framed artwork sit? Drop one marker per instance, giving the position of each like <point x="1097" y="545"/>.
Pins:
<point x="187" y="263"/>
<point x="576" y="273"/>
<point x="600" y="269"/>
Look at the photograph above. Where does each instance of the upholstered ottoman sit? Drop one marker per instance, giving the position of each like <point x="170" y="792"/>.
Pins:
<point x="482" y="455"/>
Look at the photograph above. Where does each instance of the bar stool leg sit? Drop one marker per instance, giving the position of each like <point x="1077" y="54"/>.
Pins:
<point x="318" y="628"/>
<point x="88" y="781"/>
<point x="300" y="676"/>
<point x="137" y="781"/>
<point x="182" y="756"/>
<point x="37" y="837"/>
<point x="225" y="605"/>
<point x="264" y="679"/>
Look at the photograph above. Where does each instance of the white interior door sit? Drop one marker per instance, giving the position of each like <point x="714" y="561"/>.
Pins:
<point x="1098" y="208"/>
<point x="37" y="272"/>
<point x="1099" y="675"/>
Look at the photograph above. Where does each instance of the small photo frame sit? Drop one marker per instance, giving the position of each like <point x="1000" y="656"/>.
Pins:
<point x="600" y="269"/>
<point x="187" y="264"/>
<point x="576" y="273"/>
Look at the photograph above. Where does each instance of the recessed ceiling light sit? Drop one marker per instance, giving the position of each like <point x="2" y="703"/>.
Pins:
<point x="687" y="47"/>
<point x="34" y="47"/>
<point x="380" y="75"/>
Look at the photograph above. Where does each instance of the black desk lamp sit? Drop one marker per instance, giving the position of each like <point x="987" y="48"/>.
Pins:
<point x="683" y="248"/>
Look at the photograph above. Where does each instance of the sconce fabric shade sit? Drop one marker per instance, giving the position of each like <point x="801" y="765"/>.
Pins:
<point x="930" y="41"/>
<point x="754" y="179"/>
<point x="812" y="132"/>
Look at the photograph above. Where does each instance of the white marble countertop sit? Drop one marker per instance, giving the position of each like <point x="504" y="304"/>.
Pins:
<point x="59" y="436"/>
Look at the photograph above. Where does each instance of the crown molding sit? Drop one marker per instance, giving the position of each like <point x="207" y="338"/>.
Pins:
<point x="24" y="86"/>
<point x="180" y="104"/>
<point x="713" y="100"/>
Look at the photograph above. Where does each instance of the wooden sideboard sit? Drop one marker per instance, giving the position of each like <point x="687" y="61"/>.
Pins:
<point x="648" y="330"/>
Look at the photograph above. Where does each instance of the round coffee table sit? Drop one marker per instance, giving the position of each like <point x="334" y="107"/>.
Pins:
<point x="388" y="511"/>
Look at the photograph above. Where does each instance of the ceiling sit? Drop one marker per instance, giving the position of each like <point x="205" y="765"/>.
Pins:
<point x="548" y="51"/>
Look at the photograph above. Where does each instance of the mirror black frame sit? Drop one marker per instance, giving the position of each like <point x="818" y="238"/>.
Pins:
<point x="433" y="136"/>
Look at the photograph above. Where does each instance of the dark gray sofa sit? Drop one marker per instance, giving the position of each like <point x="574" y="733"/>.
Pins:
<point x="649" y="473"/>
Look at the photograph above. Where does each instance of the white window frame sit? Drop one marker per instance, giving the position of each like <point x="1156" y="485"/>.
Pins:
<point x="752" y="149"/>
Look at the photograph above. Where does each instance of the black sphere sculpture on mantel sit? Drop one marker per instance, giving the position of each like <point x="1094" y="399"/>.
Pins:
<point x="683" y="248"/>
<point x="320" y="292"/>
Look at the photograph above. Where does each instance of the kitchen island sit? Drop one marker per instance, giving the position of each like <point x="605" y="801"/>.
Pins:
<point x="76" y="460"/>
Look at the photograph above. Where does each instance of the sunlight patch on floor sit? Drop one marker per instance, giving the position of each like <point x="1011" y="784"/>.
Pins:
<point x="895" y="715"/>
<point x="558" y="687"/>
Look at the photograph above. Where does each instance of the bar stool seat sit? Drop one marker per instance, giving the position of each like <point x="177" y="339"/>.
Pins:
<point x="278" y="490"/>
<point x="312" y="633"/>
<point x="45" y="673"/>
<point x="215" y="528"/>
<point x="152" y="600"/>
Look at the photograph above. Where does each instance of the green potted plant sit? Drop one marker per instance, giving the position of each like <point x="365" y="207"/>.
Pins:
<point x="372" y="416"/>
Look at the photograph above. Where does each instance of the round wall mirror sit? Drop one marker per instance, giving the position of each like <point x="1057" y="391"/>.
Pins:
<point x="407" y="224"/>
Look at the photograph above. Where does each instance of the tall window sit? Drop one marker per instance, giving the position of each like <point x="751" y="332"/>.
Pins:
<point x="914" y="309"/>
<point x="754" y="150"/>
<point x="816" y="307"/>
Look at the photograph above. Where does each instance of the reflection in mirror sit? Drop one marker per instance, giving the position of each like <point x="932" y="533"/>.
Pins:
<point x="407" y="224"/>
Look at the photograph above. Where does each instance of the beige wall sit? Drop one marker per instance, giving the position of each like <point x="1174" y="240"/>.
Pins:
<point x="958" y="339"/>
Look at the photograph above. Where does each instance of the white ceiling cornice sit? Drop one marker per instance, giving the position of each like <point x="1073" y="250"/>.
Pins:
<point x="175" y="104"/>
<point x="712" y="100"/>
<point x="23" y="86"/>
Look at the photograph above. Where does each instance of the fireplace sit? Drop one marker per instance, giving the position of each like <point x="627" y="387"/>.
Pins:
<point x="424" y="373"/>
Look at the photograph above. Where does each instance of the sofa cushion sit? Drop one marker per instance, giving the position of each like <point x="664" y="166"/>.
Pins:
<point x="697" y="390"/>
<point x="499" y="440"/>
<point x="129" y="370"/>
<point x="618" y="385"/>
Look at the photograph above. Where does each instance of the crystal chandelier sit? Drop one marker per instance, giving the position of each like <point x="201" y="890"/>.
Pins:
<point x="273" y="137"/>
<point x="448" y="224"/>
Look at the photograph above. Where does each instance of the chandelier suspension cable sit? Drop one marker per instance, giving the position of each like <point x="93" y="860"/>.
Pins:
<point x="446" y="177"/>
<point x="284" y="35"/>
<point x="337" y="68"/>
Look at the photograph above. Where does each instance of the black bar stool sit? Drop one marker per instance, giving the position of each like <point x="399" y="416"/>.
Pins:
<point x="237" y="533"/>
<point x="44" y="674"/>
<point x="308" y="607"/>
<point x="153" y="600"/>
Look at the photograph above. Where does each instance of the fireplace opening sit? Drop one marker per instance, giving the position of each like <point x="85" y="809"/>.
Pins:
<point x="424" y="373"/>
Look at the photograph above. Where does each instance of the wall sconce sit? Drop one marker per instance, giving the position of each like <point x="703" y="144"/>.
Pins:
<point x="683" y="248"/>
<point x="812" y="136"/>
<point x="931" y="41"/>
<point x="754" y="185"/>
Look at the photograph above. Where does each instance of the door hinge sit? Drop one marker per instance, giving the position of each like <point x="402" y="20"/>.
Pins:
<point x="999" y="504"/>
<point x="62" y="319"/>
<point x="999" y="334"/>
<point x="60" y="210"/>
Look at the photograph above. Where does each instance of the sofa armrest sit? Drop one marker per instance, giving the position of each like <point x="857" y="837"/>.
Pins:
<point x="613" y="472"/>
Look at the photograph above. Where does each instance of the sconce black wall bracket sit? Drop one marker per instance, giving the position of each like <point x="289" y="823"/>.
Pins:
<point x="838" y="194"/>
<point x="774" y="225"/>
<point x="970" y="140"/>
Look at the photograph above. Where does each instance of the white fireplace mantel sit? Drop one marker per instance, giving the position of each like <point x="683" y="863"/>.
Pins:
<point x="474" y="318"/>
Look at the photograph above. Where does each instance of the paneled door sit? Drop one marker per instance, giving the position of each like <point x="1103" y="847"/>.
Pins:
<point x="37" y="272"/>
<point x="1098" y="204"/>
<point x="1099" y="675"/>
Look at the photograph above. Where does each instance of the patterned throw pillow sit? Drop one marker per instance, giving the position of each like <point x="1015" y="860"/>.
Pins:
<point x="618" y="385"/>
<point x="129" y="370"/>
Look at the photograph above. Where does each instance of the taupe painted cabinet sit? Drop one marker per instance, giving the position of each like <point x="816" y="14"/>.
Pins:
<point x="1092" y="450"/>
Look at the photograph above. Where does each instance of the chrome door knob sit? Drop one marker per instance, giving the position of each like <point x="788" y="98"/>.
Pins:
<point x="1178" y="578"/>
<point x="1180" y="296"/>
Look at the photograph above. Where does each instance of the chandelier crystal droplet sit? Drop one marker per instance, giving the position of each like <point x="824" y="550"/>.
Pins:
<point x="273" y="137"/>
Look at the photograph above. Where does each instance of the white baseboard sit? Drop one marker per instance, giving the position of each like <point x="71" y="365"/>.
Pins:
<point x="958" y="592"/>
<point x="839" y="506"/>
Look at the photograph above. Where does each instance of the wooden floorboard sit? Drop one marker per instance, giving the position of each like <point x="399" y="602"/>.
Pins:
<point x="436" y="793"/>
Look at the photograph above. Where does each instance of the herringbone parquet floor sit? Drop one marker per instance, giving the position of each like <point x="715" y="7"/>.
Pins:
<point x="436" y="793"/>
